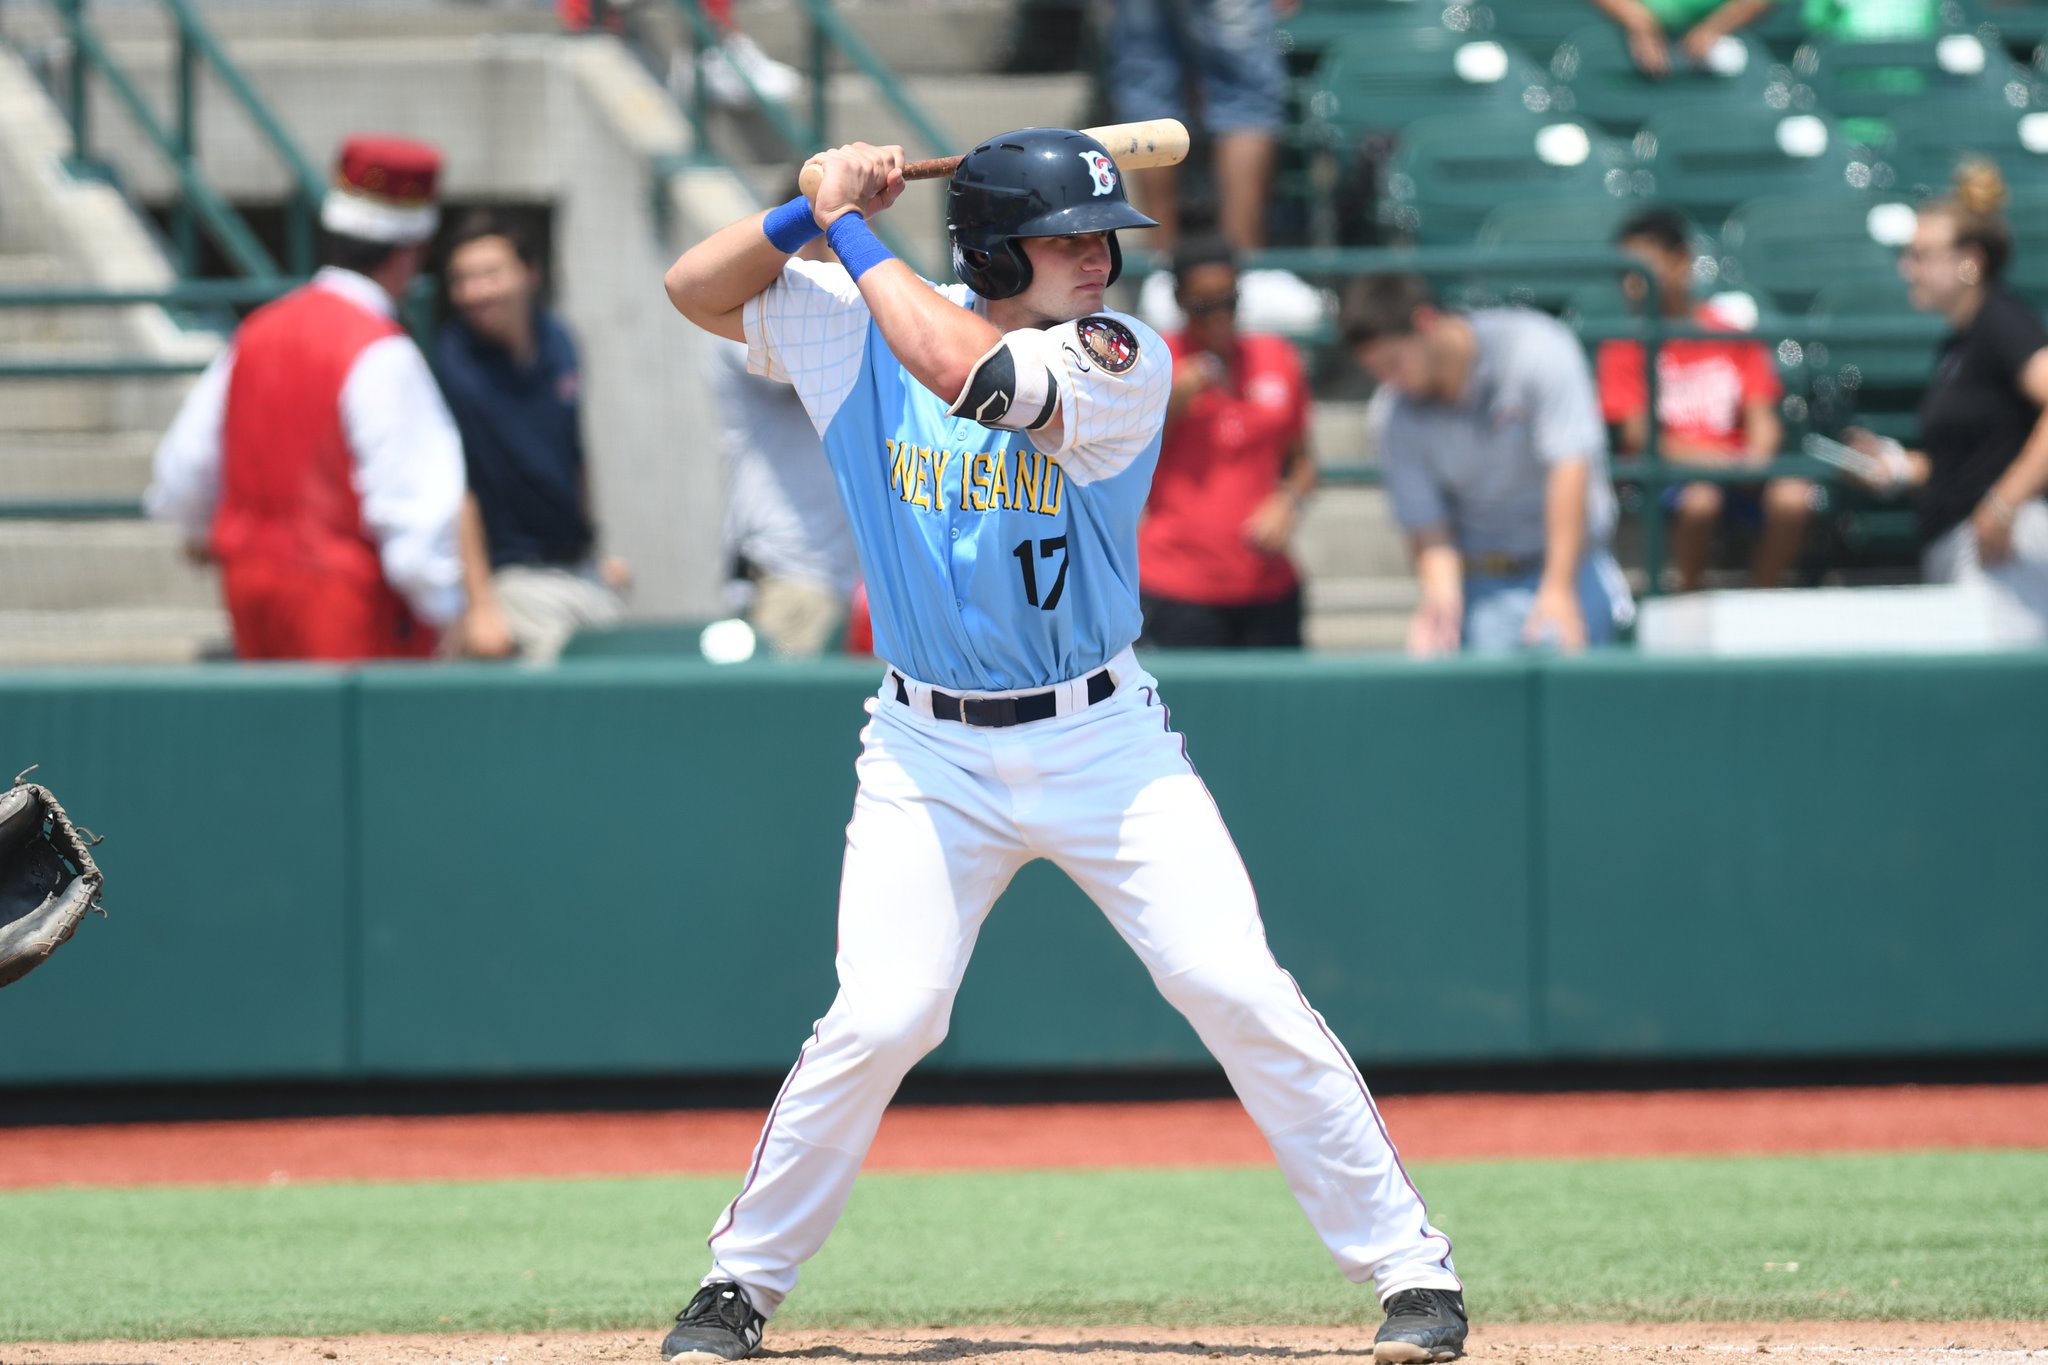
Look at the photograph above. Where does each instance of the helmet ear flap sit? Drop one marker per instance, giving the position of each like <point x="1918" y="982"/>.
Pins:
<point x="998" y="274"/>
<point x="1116" y="260"/>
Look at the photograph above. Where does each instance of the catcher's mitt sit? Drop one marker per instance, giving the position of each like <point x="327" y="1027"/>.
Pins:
<point x="48" y="879"/>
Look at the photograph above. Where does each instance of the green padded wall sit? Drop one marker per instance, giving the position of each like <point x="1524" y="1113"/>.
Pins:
<point x="226" y="806"/>
<point x="1794" y="857"/>
<point x="610" y="867"/>
<point x="629" y="866"/>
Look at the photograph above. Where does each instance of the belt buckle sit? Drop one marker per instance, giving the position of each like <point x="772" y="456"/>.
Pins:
<point x="966" y="699"/>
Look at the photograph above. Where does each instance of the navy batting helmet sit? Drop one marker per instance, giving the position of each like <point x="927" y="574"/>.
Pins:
<point x="1036" y="182"/>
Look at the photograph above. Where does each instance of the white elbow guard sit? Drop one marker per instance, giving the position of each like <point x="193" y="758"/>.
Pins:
<point x="1012" y="387"/>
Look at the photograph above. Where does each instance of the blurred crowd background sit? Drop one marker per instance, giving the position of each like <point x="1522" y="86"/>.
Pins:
<point x="1539" y="325"/>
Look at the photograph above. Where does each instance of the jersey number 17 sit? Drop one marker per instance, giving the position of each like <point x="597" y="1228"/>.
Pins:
<point x="1046" y="550"/>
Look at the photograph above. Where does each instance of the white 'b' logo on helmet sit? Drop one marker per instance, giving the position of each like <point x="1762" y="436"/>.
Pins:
<point x="1104" y="171"/>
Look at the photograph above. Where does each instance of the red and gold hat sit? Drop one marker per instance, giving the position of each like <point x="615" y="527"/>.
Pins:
<point x="383" y="190"/>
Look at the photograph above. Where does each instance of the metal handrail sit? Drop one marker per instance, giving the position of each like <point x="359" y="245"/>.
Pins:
<point x="800" y="140"/>
<point x="827" y="19"/>
<point x="197" y="199"/>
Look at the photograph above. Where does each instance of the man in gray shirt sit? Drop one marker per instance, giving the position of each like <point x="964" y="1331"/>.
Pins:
<point x="1495" y="460"/>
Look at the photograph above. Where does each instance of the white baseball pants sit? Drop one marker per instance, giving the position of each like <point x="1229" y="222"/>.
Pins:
<point x="945" y="815"/>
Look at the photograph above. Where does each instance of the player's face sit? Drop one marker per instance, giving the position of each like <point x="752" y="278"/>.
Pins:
<point x="1068" y="275"/>
<point x="492" y="289"/>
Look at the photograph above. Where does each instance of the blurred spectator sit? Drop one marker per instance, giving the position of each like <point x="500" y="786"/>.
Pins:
<point x="509" y="370"/>
<point x="316" y="460"/>
<point x="1495" y="461"/>
<point x="1983" y="462"/>
<point x="786" y="534"/>
<point x="726" y="68"/>
<point x="1225" y="50"/>
<point x="1232" y="474"/>
<point x="1717" y="406"/>
<point x="1697" y="25"/>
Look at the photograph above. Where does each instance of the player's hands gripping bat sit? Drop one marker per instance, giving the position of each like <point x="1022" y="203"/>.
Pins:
<point x="1133" y="146"/>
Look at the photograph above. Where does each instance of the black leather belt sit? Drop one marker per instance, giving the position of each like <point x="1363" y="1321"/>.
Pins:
<point x="1000" y="711"/>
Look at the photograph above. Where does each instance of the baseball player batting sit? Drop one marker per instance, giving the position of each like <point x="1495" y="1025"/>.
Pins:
<point x="994" y="443"/>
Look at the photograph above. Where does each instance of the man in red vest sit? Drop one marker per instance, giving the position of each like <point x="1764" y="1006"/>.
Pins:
<point x="315" y="459"/>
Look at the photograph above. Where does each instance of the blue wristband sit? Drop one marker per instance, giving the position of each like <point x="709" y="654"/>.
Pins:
<point x="856" y="246"/>
<point x="790" y="226"/>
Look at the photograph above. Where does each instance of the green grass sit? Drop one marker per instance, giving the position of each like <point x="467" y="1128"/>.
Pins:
<point x="1943" y="1235"/>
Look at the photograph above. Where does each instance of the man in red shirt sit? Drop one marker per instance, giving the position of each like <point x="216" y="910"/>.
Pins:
<point x="1717" y="406"/>
<point x="1233" y="470"/>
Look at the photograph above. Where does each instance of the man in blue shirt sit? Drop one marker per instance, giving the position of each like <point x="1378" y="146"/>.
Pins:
<point x="509" y="371"/>
<point x="994" y="446"/>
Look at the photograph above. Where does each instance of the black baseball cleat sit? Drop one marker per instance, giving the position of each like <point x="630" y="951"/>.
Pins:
<point x="719" y="1324"/>
<point x="1422" y="1324"/>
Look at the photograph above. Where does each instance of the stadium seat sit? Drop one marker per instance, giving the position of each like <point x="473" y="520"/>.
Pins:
<point x="1607" y="87"/>
<point x="1789" y="249"/>
<point x="1314" y="28"/>
<point x="2021" y="24"/>
<point x="1865" y="84"/>
<point x="1709" y="165"/>
<point x="1876" y="382"/>
<point x="1379" y="81"/>
<point x="1449" y="172"/>
<point x="2007" y="122"/>
<point x="1537" y="26"/>
<point x="1586" y="224"/>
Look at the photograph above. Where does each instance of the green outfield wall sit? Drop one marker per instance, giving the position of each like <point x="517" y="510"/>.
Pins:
<point x="628" y="867"/>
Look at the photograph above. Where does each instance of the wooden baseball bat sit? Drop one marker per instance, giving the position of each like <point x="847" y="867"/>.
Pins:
<point x="1133" y="146"/>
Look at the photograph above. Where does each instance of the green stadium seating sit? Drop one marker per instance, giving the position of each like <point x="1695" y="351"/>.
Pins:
<point x="1587" y="224"/>
<point x="1606" y="86"/>
<point x="1790" y="249"/>
<point x="1379" y="81"/>
<point x="1707" y="166"/>
<point x="1874" y="383"/>
<point x="1866" y="83"/>
<point x="1448" y="173"/>
<point x="1537" y="26"/>
<point x="2008" y="123"/>
<point x="1313" y="29"/>
<point x="2022" y="24"/>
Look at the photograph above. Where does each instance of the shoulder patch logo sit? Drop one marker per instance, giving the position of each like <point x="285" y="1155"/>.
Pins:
<point x="1102" y="169"/>
<point x="1108" y="343"/>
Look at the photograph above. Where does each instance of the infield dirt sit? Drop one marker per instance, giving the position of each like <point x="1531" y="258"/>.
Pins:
<point x="1807" y="1343"/>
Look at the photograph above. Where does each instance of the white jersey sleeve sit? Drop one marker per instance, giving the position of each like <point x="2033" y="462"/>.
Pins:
<point x="1114" y="375"/>
<point x="809" y="330"/>
<point x="409" y="474"/>
<point x="185" y="480"/>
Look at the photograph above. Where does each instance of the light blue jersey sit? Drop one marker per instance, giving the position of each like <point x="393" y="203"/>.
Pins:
<point x="991" y="564"/>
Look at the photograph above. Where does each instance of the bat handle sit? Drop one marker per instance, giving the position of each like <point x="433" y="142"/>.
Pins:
<point x="937" y="168"/>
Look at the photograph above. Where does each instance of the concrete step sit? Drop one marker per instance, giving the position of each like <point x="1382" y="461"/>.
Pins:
<point x="69" y="464"/>
<point x="49" y="566"/>
<point x="29" y="328"/>
<point x="147" y="635"/>
<point x="238" y="20"/>
<point x="85" y="404"/>
<point x="1350" y="533"/>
